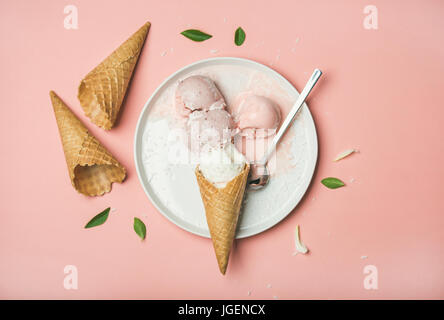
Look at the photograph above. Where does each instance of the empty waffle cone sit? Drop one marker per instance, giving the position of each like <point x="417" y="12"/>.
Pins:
<point x="222" y="207"/>
<point x="92" y="169"/>
<point x="102" y="91"/>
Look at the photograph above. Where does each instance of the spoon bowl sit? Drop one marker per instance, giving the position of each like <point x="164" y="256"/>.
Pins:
<point x="259" y="176"/>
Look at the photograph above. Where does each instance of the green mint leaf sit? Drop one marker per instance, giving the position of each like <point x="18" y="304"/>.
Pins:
<point x="332" y="183"/>
<point x="98" y="219"/>
<point x="239" y="36"/>
<point x="196" y="35"/>
<point x="140" y="228"/>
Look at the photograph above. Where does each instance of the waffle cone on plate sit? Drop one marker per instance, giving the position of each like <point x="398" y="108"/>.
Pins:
<point x="92" y="169"/>
<point x="222" y="207"/>
<point x="102" y="91"/>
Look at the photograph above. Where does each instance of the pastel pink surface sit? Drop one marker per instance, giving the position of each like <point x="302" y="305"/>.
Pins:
<point x="381" y="93"/>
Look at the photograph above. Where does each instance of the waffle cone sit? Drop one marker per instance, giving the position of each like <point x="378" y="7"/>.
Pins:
<point x="222" y="207"/>
<point x="102" y="91"/>
<point x="92" y="169"/>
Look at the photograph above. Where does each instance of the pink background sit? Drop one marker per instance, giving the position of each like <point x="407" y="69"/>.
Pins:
<point x="381" y="92"/>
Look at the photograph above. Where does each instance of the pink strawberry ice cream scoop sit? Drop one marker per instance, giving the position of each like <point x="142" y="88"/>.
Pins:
<point x="257" y="116"/>
<point x="211" y="127"/>
<point x="198" y="93"/>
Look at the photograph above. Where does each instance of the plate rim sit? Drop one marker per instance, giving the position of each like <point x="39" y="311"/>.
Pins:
<point x="137" y="135"/>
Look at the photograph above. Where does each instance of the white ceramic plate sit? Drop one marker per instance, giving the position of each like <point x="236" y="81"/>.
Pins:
<point x="173" y="188"/>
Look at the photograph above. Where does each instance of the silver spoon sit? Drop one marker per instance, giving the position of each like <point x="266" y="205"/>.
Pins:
<point x="260" y="176"/>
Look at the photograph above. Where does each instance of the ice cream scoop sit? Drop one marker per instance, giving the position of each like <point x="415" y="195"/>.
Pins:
<point x="211" y="127"/>
<point x="257" y="116"/>
<point x="198" y="93"/>
<point x="221" y="165"/>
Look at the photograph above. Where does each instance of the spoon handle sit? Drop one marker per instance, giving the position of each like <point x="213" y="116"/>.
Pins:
<point x="294" y="110"/>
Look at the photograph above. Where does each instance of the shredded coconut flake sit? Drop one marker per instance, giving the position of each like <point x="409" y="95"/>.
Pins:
<point x="345" y="154"/>
<point x="300" y="247"/>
